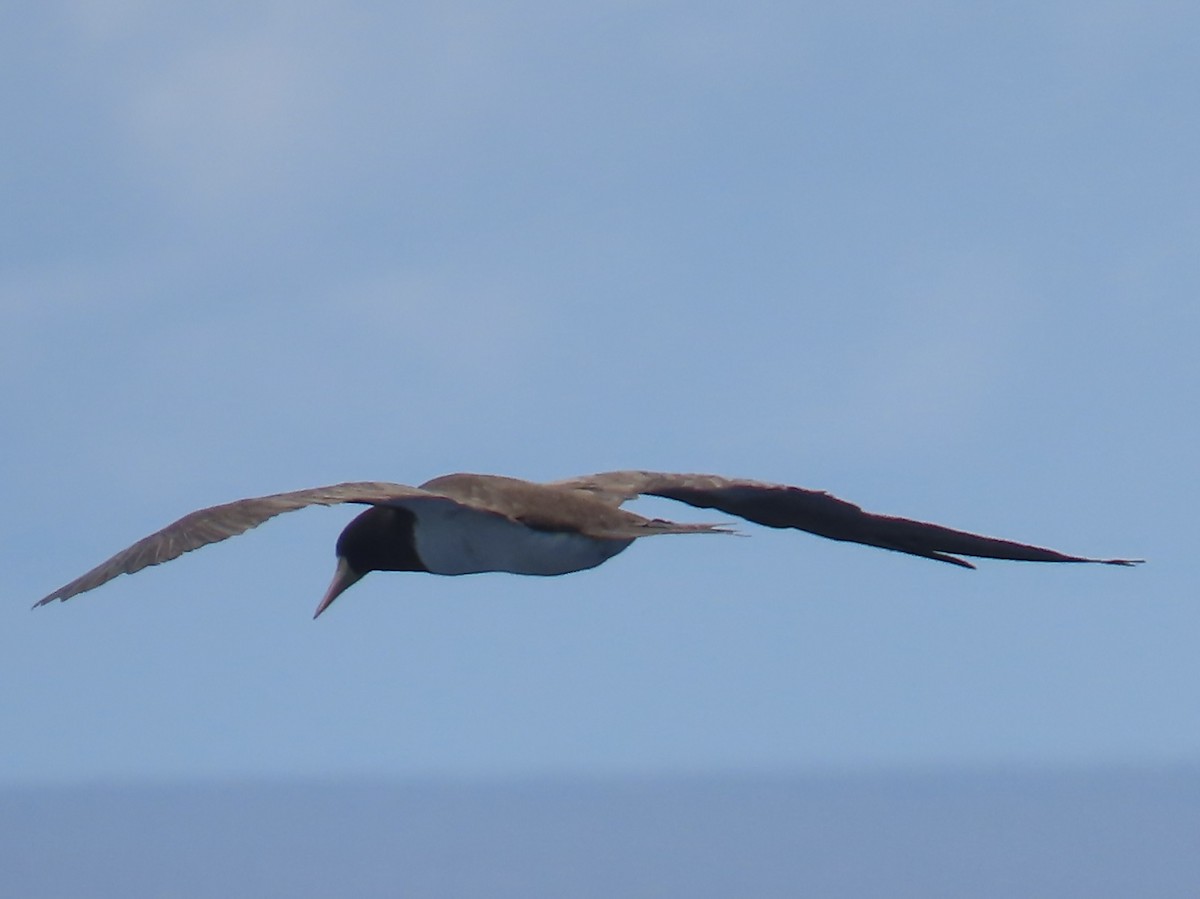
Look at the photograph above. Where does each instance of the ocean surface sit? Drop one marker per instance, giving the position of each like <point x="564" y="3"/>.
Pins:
<point x="1103" y="833"/>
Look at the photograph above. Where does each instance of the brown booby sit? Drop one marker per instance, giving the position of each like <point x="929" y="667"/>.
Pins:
<point x="469" y="523"/>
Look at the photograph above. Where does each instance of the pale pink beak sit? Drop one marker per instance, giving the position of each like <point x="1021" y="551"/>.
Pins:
<point x="344" y="577"/>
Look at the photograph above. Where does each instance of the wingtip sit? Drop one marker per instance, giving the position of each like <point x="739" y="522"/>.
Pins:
<point x="953" y="560"/>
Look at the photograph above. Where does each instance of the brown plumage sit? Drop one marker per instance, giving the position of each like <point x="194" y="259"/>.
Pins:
<point x="464" y="523"/>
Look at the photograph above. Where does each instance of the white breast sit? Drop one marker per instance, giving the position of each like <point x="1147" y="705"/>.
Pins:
<point x="451" y="539"/>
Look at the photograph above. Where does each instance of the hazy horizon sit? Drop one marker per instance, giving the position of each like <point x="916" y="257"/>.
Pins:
<point x="991" y="834"/>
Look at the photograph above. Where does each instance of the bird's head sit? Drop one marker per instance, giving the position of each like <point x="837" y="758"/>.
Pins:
<point x="380" y="539"/>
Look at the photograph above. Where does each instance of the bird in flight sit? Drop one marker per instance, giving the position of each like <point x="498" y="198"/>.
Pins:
<point x="470" y="523"/>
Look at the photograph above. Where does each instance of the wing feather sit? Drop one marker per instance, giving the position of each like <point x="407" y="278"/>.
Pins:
<point x="217" y="523"/>
<point x="817" y="512"/>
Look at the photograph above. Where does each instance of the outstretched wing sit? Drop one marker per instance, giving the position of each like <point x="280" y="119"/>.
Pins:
<point x="782" y="506"/>
<point x="217" y="523"/>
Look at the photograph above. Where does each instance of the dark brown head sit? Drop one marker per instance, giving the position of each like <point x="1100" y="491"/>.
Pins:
<point x="380" y="539"/>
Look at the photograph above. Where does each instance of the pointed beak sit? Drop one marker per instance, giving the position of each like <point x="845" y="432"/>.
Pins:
<point x="344" y="577"/>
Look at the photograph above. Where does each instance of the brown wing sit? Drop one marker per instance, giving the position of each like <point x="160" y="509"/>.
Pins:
<point x="217" y="523"/>
<point x="781" y="506"/>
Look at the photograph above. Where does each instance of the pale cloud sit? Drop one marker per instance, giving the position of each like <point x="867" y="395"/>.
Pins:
<point x="1100" y="41"/>
<point x="40" y="302"/>
<point x="941" y="351"/>
<point x="274" y="102"/>
<point x="225" y="120"/>
<point x="457" y="327"/>
<point x="104" y="21"/>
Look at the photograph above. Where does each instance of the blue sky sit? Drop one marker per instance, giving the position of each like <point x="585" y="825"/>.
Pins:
<point x="940" y="260"/>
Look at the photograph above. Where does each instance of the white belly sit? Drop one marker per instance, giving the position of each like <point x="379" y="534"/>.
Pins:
<point x="454" y="540"/>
